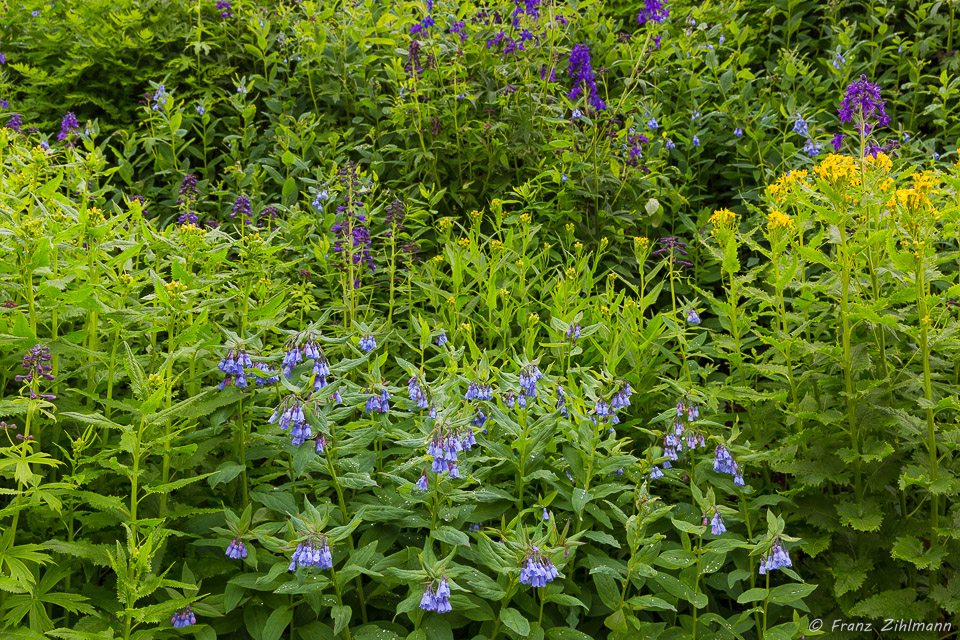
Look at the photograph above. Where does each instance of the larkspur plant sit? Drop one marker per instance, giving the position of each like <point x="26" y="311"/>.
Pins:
<point x="234" y="231"/>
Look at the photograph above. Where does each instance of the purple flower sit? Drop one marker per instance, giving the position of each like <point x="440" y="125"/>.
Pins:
<point x="314" y="552"/>
<point x="35" y="362"/>
<point x="538" y="570"/>
<point x="441" y="339"/>
<point x="183" y="618"/>
<point x="776" y="559"/>
<point x="223" y="6"/>
<point x="546" y="514"/>
<point x="15" y="122"/>
<point x="460" y="29"/>
<point x="352" y="239"/>
<point x="68" y="126"/>
<point x="738" y="132"/>
<point x="837" y="141"/>
<point x="437" y="599"/>
<point x="652" y="11"/>
<point x="289" y="415"/>
<point x="656" y="473"/>
<point x="241" y="207"/>
<point x="861" y="103"/>
<point x="368" y="343"/>
<point x="581" y="71"/>
<point x="716" y="524"/>
<point x="696" y="141"/>
<point x="693" y="318"/>
<point x="423" y="484"/>
<point x="237" y="550"/>
<point x="811" y="148"/>
<point x="800" y="126"/>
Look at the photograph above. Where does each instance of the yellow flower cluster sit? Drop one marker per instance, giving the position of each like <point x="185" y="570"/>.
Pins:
<point x="496" y="245"/>
<point x="476" y="214"/>
<point x="464" y="242"/>
<point x="839" y="171"/>
<point x="779" y="221"/>
<point x="723" y="219"/>
<point x="445" y="224"/>
<point x="525" y="218"/>
<point x="533" y="318"/>
<point x="571" y="274"/>
<point x="641" y="243"/>
<point x="175" y="288"/>
<point x="909" y="199"/>
<point x="780" y="189"/>
<point x="881" y="162"/>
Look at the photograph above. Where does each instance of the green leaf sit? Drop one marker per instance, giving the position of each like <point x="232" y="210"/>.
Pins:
<point x="451" y="536"/>
<point x="790" y="592"/>
<point x="341" y="614"/>
<point x="752" y="595"/>
<point x="514" y="620"/>
<point x="277" y="623"/>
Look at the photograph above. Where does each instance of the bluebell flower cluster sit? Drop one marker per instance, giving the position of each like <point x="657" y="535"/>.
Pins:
<point x="189" y="192"/>
<point x="312" y="553"/>
<point x="581" y="71"/>
<point x="310" y="349"/>
<point x="738" y="132"/>
<point x="237" y="549"/>
<point x="183" y="618"/>
<point x="479" y="391"/>
<point x="368" y="343"/>
<point x="776" y="559"/>
<point x="321" y="197"/>
<point x="695" y="141"/>
<point x="321" y="371"/>
<point x="159" y="98"/>
<point x="273" y="377"/>
<point x="562" y="401"/>
<point x="444" y="446"/>
<point x="378" y="401"/>
<point x="716" y="523"/>
<point x="289" y="415"/>
<point x="669" y="144"/>
<point x="529" y="376"/>
<point x="800" y="126"/>
<point x="233" y="364"/>
<point x="320" y="444"/>
<point x="441" y="339"/>
<point x="537" y="570"/>
<point x="693" y="318"/>
<point x="418" y="393"/>
<point x="475" y="526"/>
<point x="811" y="148"/>
<point x="656" y="473"/>
<point x="437" y="599"/>
<point x="652" y="123"/>
<point x="546" y="514"/>
<point x="723" y="462"/>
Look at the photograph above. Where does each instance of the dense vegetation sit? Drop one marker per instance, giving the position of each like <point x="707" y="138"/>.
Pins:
<point x="436" y="320"/>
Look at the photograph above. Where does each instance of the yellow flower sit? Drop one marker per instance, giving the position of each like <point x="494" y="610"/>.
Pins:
<point x="578" y="246"/>
<point x="533" y="318"/>
<point x="175" y="288"/>
<point x="881" y="162"/>
<point x="445" y="224"/>
<point x="496" y="245"/>
<point x="438" y="258"/>
<point x="476" y="214"/>
<point x="641" y="242"/>
<point x="525" y="218"/>
<point x="571" y="274"/>
<point x="464" y="242"/>
<point x="723" y="219"/>
<point x="451" y="300"/>
<point x="777" y="220"/>
<point x="519" y="262"/>
<point x="785" y="184"/>
<point x="839" y="171"/>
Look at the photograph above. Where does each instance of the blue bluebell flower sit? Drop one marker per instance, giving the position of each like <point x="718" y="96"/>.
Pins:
<point x="693" y="318"/>
<point x="776" y="559"/>
<point x="529" y="376"/>
<point x="576" y="115"/>
<point x="237" y="549"/>
<point x="234" y="364"/>
<point x="183" y="618"/>
<point x="289" y="415"/>
<point x="273" y="377"/>
<point x="811" y="148"/>
<point x="441" y="339"/>
<point x="738" y="132"/>
<point x="201" y="109"/>
<point x="312" y="553"/>
<point x="652" y="123"/>
<point x="573" y="332"/>
<point x="656" y="473"/>
<point x="479" y="391"/>
<point x="723" y="461"/>
<point x="621" y="397"/>
<point x="475" y="526"/>
<point x="438" y="599"/>
<point x="546" y="514"/>
<point x="321" y="197"/>
<point x="696" y="141"/>
<point x="423" y="483"/>
<point x="417" y="393"/>
<point x="800" y="126"/>
<point x="562" y="401"/>
<point x="669" y="144"/>
<point x="368" y="343"/>
<point x="716" y="524"/>
<point x="538" y="570"/>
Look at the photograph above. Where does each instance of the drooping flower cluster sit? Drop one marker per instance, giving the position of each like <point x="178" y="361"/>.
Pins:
<point x="692" y="318"/>
<point x="437" y="599"/>
<point x="573" y="333"/>
<point x="723" y="462"/>
<point x="313" y="552"/>
<point x="581" y="71"/>
<point x="479" y="391"/>
<point x="417" y="392"/>
<point x="562" y="401"/>
<point x="776" y="559"/>
<point x="272" y="377"/>
<point x="234" y="364"/>
<point x="368" y="343"/>
<point x="237" y="549"/>
<point x="652" y="11"/>
<point x="441" y="339"/>
<point x="183" y="618"/>
<point x="289" y="415"/>
<point x="685" y="431"/>
<point x="716" y="522"/>
<point x="379" y="400"/>
<point x="529" y="376"/>
<point x="537" y="570"/>
<point x="444" y="445"/>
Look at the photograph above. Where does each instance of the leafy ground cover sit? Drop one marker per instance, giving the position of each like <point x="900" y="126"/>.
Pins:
<point x="452" y="320"/>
